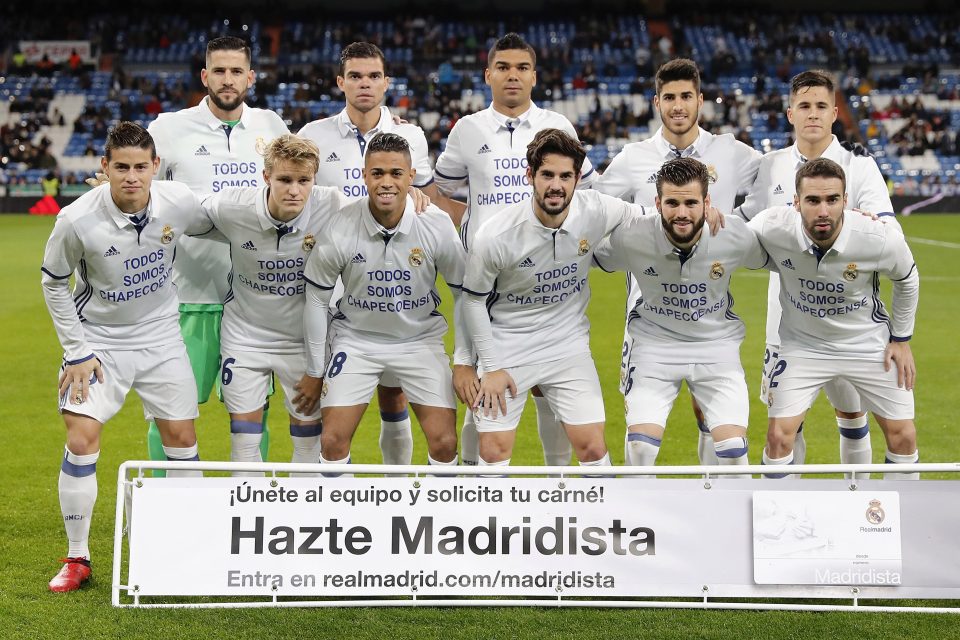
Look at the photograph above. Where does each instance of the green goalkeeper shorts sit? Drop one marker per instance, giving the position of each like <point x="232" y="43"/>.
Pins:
<point x="200" y="327"/>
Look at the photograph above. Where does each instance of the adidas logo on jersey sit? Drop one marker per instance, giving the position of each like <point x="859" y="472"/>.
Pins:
<point x="248" y="245"/>
<point x="652" y="179"/>
<point x="202" y="151"/>
<point x="650" y="271"/>
<point x="778" y="191"/>
<point x="333" y="157"/>
<point x="358" y="259"/>
<point x="788" y="264"/>
<point x="484" y="149"/>
<point x="526" y="264"/>
<point x="112" y="251"/>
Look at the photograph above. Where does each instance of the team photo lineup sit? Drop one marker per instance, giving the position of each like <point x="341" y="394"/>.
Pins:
<point x="221" y="253"/>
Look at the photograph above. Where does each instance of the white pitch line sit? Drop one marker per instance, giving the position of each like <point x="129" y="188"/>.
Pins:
<point x="935" y="243"/>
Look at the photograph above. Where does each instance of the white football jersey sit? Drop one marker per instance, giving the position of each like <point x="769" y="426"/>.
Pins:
<point x="264" y="308"/>
<point x="776" y="185"/>
<point x="535" y="278"/>
<point x="196" y="148"/>
<point x="390" y="294"/>
<point x="632" y="175"/>
<point x="123" y="297"/>
<point x="831" y="305"/>
<point x="686" y="314"/>
<point x="342" y="148"/>
<point x="488" y="151"/>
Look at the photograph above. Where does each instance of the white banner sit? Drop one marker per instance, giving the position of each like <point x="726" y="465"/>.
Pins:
<point x="58" y="51"/>
<point x="826" y="537"/>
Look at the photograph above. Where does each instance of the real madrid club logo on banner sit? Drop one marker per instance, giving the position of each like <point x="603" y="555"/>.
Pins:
<point x="166" y="235"/>
<point x="716" y="271"/>
<point x="260" y="146"/>
<point x="875" y="513"/>
<point x="583" y="247"/>
<point x="850" y="273"/>
<point x="712" y="172"/>
<point x="308" y="242"/>
<point x="416" y="257"/>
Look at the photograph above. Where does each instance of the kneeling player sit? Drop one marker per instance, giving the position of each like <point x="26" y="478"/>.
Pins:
<point x="387" y="321"/>
<point x="119" y="328"/>
<point x="834" y="325"/>
<point x="684" y="327"/>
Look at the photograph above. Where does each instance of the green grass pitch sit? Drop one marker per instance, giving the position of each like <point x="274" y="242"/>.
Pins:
<point x="32" y="538"/>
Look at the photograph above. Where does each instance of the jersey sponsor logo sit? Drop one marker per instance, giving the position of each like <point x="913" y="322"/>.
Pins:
<point x="333" y="157"/>
<point x="650" y="271"/>
<point x="112" y="251"/>
<point x="716" y="271"/>
<point x="417" y="257"/>
<point x="788" y="263"/>
<point x="850" y="273"/>
<point x="166" y="235"/>
<point x="484" y="149"/>
<point x="527" y="263"/>
<point x="583" y="247"/>
<point x="778" y="191"/>
<point x="249" y="246"/>
<point x="202" y="151"/>
<point x="358" y="259"/>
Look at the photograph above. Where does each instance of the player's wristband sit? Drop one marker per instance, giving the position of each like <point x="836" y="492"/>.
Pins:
<point x="899" y="339"/>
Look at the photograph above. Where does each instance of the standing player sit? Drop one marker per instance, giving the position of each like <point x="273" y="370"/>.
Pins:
<point x="364" y="81"/>
<point x="216" y="144"/>
<point x="487" y="151"/>
<point x="834" y="324"/>
<point x="118" y="329"/>
<point x="387" y="321"/>
<point x="272" y="231"/>
<point x="684" y="327"/>
<point x="526" y="293"/>
<point x="812" y="113"/>
<point x="632" y="175"/>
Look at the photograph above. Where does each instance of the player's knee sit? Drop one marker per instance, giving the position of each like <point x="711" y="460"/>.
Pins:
<point x="82" y="444"/>
<point x="592" y="452"/>
<point x="902" y="438"/>
<point x="179" y="437"/>
<point x="391" y="399"/>
<point x="780" y="439"/>
<point x="335" y="446"/>
<point x="493" y="451"/>
<point x="444" y="446"/>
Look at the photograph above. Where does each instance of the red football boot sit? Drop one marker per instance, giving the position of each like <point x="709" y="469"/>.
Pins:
<point x="72" y="575"/>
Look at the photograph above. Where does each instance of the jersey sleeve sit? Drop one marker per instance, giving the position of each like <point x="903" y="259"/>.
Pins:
<point x="873" y="195"/>
<point x="610" y="254"/>
<point x="484" y="263"/>
<point x="756" y="194"/>
<point x="323" y="267"/>
<point x="754" y="255"/>
<point x="63" y="253"/>
<point x="421" y="159"/>
<point x="157" y="131"/>
<point x="199" y="222"/>
<point x="897" y="263"/>
<point x="750" y="167"/>
<point x="325" y="263"/>
<point x="615" y="181"/>
<point x="451" y="171"/>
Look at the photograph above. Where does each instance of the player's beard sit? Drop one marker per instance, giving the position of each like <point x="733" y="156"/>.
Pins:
<point x="553" y="211"/>
<point x="224" y="104"/>
<point x="821" y="235"/>
<point x="688" y="237"/>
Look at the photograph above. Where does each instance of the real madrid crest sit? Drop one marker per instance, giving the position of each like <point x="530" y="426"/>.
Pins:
<point x="716" y="271"/>
<point x="769" y="398"/>
<point x="166" y="235"/>
<point x="416" y="257"/>
<point x="308" y="242"/>
<point x="260" y="146"/>
<point x="323" y="390"/>
<point x="583" y="247"/>
<point x="712" y="172"/>
<point x="875" y="513"/>
<point x="850" y="273"/>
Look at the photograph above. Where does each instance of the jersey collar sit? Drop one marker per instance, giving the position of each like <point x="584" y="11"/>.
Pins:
<point x="373" y="229"/>
<point x="348" y="129"/>
<point x="119" y="217"/>
<point x="213" y="122"/>
<point x="834" y="151"/>
<point x="501" y="120"/>
<point x="695" y="150"/>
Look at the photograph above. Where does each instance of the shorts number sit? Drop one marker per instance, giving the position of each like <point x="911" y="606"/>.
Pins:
<point x="629" y="385"/>
<point x="626" y="352"/>
<point x="778" y="368"/>
<point x="226" y="376"/>
<point x="336" y="365"/>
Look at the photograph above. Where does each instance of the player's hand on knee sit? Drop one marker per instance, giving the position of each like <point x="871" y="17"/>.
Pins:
<point x="97" y="180"/>
<point x="78" y="377"/>
<point x="493" y="393"/>
<point x="900" y="354"/>
<point x="420" y="200"/>
<point x="466" y="383"/>
<point x="308" y="394"/>
<point x="715" y="220"/>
